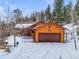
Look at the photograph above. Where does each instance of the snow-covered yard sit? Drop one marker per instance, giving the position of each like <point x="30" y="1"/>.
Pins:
<point x="27" y="49"/>
<point x="45" y="50"/>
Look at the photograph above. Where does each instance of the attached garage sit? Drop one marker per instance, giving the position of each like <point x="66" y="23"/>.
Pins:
<point x="48" y="32"/>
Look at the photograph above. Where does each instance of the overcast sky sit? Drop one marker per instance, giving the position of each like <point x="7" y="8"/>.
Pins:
<point x="28" y="6"/>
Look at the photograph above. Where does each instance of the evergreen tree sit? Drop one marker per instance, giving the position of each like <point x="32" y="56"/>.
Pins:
<point x="77" y="10"/>
<point x="33" y="17"/>
<point x="57" y="12"/>
<point x="48" y="13"/>
<point x="65" y="14"/>
<point x="70" y="8"/>
<point x="38" y="15"/>
<point x="42" y="15"/>
<point x="77" y="7"/>
<point x="68" y="13"/>
<point x="26" y="18"/>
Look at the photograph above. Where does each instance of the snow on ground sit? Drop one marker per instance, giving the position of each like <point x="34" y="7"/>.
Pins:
<point x="10" y="40"/>
<point x="27" y="49"/>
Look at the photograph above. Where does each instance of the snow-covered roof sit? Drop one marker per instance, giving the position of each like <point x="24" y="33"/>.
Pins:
<point x="38" y="26"/>
<point x="70" y="26"/>
<point x="23" y="25"/>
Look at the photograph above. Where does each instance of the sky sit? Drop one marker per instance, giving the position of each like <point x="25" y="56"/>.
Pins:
<point x="28" y="6"/>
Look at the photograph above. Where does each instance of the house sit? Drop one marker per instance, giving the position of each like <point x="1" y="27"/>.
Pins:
<point x="21" y="28"/>
<point x="25" y="28"/>
<point x="48" y="32"/>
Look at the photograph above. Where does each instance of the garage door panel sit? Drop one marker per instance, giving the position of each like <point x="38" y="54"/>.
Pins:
<point x="49" y="37"/>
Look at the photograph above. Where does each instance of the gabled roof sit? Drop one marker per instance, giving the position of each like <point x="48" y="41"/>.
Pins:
<point x="70" y="26"/>
<point x="38" y="26"/>
<point x="47" y="23"/>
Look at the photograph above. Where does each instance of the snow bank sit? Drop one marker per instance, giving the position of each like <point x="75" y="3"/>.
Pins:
<point x="10" y="40"/>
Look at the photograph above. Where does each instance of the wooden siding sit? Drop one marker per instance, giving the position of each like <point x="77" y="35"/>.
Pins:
<point x="54" y="28"/>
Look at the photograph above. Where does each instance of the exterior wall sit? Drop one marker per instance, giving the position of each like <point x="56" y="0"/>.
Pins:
<point x="29" y="32"/>
<point x="54" y="29"/>
<point x="37" y="24"/>
<point x="21" y="32"/>
<point x="24" y="32"/>
<point x="17" y="33"/>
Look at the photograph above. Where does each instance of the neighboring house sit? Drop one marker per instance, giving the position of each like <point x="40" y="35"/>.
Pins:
<point x="48" y="32"/>
<point x="25" y="28"/>
<point x="21" y="28"/>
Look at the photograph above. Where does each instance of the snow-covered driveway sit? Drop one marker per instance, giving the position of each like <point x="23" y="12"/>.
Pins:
<point x="30" y="50"/>
<point x="49" y="50"/>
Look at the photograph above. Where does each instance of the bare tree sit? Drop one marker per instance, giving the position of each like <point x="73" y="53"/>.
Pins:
<point x="17" y="14"/>
<point x="3" y="32"/>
